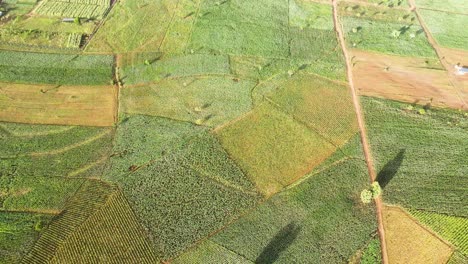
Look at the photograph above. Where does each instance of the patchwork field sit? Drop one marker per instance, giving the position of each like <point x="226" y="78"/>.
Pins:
<point x="421" y="246"/>
<point x="63" y="105"/>
<point x="233" y="131"/>
<point x="408" y="79"/>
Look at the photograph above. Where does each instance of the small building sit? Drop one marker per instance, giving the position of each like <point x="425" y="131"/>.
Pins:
<point x="68" y="19"/>
<point x="461" y="70"/>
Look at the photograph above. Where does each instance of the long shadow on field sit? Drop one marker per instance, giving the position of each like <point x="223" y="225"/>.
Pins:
<point x="280" y="242"/>
<point x="390" y="169"/>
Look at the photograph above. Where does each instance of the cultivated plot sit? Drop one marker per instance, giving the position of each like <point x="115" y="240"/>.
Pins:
<point x="420" y="155"/>
<point x="206" y="100"/>
<point x="421" y="246"/>
<point x="59" y="69"/>
<point x="38" y="150"/>
<point x="57" y="104"/>
<point x="409" y="79"/>
<point x="315" y="214"/>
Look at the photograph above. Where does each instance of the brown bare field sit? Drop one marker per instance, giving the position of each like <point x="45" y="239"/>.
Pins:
<point x="410" y="243"/>
<point x="58" y="105"/>
<point x="408" y="79"/>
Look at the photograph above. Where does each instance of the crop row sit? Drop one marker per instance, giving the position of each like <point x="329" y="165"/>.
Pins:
<point x="64" y="9"/>
<point x="91" y="196"/>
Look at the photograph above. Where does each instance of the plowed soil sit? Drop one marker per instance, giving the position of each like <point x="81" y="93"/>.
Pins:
<point x="58" y="105"/>
<point x="408" y="79"/>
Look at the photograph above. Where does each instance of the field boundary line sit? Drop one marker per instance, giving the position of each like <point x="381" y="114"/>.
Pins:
<point x="232" y="251"/>
<point x="61" y="150"/>
<point x="362" y="128"/>
<point x="31" y="211"/>
<point x="439" y="53"/>
<point x="427" y="229"/>
<point x="374" y="5"/>
<point x="87" y="167"/>
<point x="96" y="29"/>
<point x="443" y="11"/>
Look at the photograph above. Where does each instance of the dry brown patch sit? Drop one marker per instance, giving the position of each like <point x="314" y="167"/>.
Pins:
<point x="408" y="79"/>
<point x="408" y="242"/>
<point x="61" y="105"/>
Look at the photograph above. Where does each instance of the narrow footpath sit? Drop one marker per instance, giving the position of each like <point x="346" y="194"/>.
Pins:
<point x="362" y="129"/>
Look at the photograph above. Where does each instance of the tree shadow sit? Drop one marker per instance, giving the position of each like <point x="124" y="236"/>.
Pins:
<point x="390" y="169"/>
<point x="280" y="242"/>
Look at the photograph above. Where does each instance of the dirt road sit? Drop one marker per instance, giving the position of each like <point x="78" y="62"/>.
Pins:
<point x="449" y="67"/>
<point x="362" y="129"/>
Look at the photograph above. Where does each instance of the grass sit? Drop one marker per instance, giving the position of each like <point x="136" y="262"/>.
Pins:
<point x="64" y="105"/>
<point x="313" y="101"/>
<point x="448" y="5"/>
<point x="442" y="27"/>
<point x="210" y="101"/>
<point x="112" y="234"/>
<point x="451" y="228"/>
<point x="37" y="194"/>
<point x="304" y="14"/>
<point x="59" y="69"/>
<point x="35" y="150"/>
<point x="236" y="27"/>
<point x="376" y="13"/>
<point x="130" y="26"/>
<point x="406" y="39"/>
<point x="322" y="214"/>
<point x="183" y="185"/>
<point x="174" y="67"/>
<point x="273" y="148"/>
<point x="18" y="232"/>
<point x="179" y="32"/>
<point x="420" y="158"/>
<point x="420" y="246"/>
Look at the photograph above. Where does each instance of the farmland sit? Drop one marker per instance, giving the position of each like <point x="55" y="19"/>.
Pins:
<point x="233" y="131"/>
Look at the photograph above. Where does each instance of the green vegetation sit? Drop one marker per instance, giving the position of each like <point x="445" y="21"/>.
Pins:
<point x="18" y="232"/>
<point x="134" y="25"/>
<point x="420" y="158"/>
<point x="209" y="253"/>
<point x="36" y="194"/>
<point x="237" y="27"/>
<point x="312" y="100"/>
<point x="273" y="148"/>
<point x="113" y="234"/>
<point x="447" y="5"/>
<point x="372" y="253"/>
<point x="209" y="101"/>
<point x="397" y="38"/>
<point x="173" y="67"/>
<point x="451" y="228"/>
<point x="91" y="196"/>
<point x="322" y="214"/>
<point x="376" y="13"/>
<point x="74" y="8"/>
<point x="447" y="28"/>
<point x="32" y="150"/>
<point x="182" y="184"/>
<point x="57" y="69"/>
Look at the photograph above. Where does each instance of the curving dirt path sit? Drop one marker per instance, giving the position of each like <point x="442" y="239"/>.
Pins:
<point x="362" y="129"/>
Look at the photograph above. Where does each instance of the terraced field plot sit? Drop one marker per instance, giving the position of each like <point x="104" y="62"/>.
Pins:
<point x="214" y="131"/>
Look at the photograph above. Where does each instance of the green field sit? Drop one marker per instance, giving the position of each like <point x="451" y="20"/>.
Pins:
<point x="420" y="157"/>
<point x="37" y="150"/>
<point x="315" y="215"/>
<point x="73" y="8"/>
<point x="396" y="38"/>
<point x="60" y="69"/>
<point x="185" y="167"/>
<point x="207" y="100"/>
<point x="451" y="228"/>
<point x="442" y="27"/>
<point x="18" y="232"/>
<point x="447" y="5"/>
